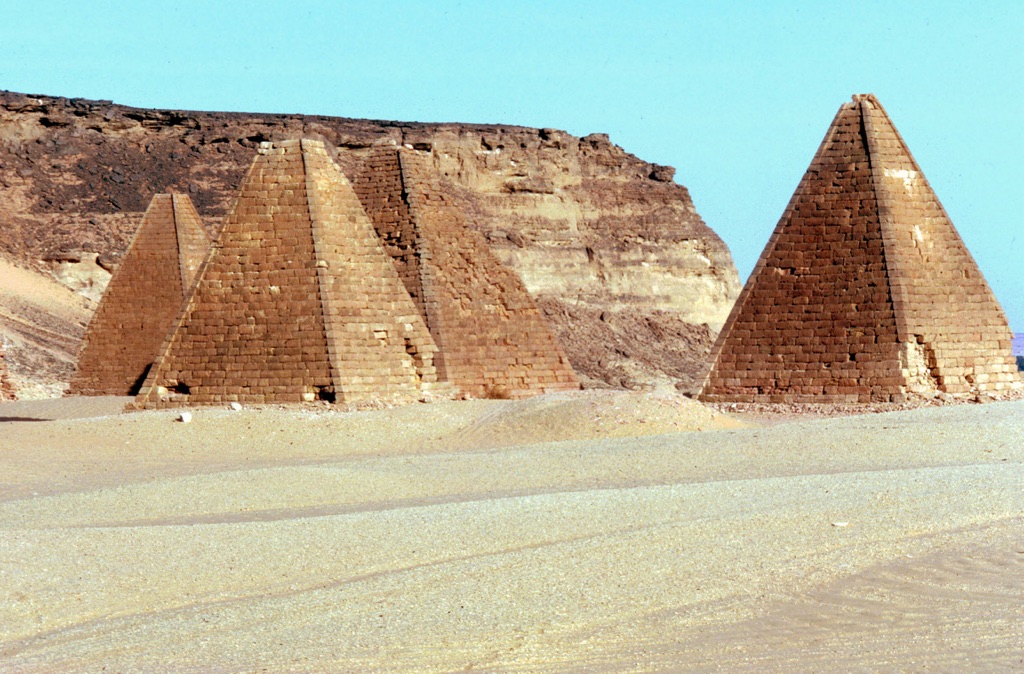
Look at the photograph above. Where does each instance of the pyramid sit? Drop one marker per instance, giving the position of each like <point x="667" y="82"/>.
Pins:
<point x="492" y="340"/>
<point x="297" y="300"/>
<point x="142" y="300"/>
<point x="865" y="291"/>
<point x="7" y="389"/>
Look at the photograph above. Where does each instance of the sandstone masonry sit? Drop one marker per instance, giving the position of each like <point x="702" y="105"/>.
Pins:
<point x="590" y="229"/>
<point x="297" y="300"/>
<point x="492" y="340"/>
<point x="865" y="291"/>
<point x="142" y="300"/>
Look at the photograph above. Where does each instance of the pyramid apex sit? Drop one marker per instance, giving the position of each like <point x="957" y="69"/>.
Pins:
<point x="314" y="310"/>
<point x="865" y="291"/>
<point x="490" y="334"/>
<point x="142" y="299"/>
<point x="870" y="98"/>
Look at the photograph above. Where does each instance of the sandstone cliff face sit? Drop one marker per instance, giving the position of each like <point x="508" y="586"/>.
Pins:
<point x="596" y="233"/>
<point x="7" y="390"/>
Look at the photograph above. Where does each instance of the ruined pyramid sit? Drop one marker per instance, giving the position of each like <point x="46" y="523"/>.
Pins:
<point x="296" y="301"/>
<point x="492" y="340"/>
<point x="142" y="300"/>
<point x="865" y="291"/>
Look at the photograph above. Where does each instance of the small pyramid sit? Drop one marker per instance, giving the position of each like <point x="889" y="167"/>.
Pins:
<point x="865" y="291"/>
<point x="142" y="300"/>
<point x="493" y="341"/>
<point x="297" y="301"/>
<point x="7" y="388"/>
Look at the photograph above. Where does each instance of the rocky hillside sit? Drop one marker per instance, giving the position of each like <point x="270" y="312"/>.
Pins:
<point x="613" y="249"/>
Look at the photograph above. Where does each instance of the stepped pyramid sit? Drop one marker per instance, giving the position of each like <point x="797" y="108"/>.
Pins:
<point x="7" y="390"/>
<point x="142" y="300"/>
<point x="865" y="291"/>
<point x="296" y="301"/>
<point x="492" y="340"/>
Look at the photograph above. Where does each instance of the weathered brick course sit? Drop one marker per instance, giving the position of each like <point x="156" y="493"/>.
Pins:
<point x="492" y="339"/>
<point x="297" y="300"/>
<point x="865" y="290"/>
<point x="142" y="299"/>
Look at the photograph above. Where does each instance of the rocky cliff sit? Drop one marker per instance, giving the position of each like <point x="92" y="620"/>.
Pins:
<point x="610" y="245"/>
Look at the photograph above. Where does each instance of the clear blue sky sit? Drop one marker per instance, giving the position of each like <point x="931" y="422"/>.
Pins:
<point x="735" y="95"/>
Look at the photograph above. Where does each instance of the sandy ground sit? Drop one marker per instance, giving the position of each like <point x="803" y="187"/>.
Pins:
<point x="577" y="532"/>
<point x="41" y="326"/>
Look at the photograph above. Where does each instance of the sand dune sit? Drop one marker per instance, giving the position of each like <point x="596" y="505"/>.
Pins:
<point x="513" y="536"/>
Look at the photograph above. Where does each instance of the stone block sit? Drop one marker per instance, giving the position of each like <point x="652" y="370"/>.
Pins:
<point x="862" y="269"/>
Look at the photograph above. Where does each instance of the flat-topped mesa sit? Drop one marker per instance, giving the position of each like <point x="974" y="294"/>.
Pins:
<point x="7" y="388"/>
<point x="142" y="299"/>
<point x="492" y="340"/>
<point x="610" y="246"/>
<point x="297" y="301"/>
<point x="865" y="291"/>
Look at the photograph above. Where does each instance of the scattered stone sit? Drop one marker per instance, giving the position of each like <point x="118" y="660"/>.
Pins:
<point x="185" y="417"/>
<point x="108" y="261"/>
<point x="236" y="406"/>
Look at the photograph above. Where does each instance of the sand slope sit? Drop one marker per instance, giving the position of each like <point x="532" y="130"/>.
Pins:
<point x="465" y="536"/>
<point x="42" y="323"/>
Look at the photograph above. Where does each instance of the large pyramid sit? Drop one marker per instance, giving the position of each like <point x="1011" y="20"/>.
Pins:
<point x="865" y="291"/>
<point x="142" y="300"/>
<point x="492" y="340"/>
<point x="296" y="301"/>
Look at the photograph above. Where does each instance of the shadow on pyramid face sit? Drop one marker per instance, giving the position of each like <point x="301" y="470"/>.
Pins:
<point x="865" y="291"/>
<point x="143" y="299"/>
<point x="292" y="301"/>
<point x="493" y="341"/>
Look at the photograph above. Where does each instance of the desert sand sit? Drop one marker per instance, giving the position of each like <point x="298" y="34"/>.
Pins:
<point x="41" y="325"/>
<point x="594" y="531"/>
